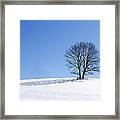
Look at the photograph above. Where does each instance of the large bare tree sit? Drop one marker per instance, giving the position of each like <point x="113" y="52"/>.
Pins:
<point x="83" y="59"/>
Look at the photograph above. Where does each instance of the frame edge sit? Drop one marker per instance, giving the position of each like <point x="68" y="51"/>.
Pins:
<point x="2" y="59"/>
<point x="2" y="62"/>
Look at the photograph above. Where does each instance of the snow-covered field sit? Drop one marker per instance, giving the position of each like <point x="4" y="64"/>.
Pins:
<point x="60" y="89"/>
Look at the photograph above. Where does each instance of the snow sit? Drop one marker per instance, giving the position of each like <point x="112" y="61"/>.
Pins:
<point x="60" y="89"/>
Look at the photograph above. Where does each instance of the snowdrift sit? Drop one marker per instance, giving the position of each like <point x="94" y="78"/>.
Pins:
<point x="60" y="89"/>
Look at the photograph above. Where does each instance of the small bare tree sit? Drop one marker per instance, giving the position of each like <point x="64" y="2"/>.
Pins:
<point x="82" y="59"/>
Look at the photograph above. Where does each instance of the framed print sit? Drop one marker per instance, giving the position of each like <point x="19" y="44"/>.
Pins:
<point x="59" y="59"/>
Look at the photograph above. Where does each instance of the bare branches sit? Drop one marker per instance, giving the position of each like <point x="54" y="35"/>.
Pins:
<point x="83" y="59"/>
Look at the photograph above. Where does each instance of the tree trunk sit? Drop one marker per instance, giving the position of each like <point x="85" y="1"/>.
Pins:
<point x="83" y="75"/>
<point x="79" y="73"/>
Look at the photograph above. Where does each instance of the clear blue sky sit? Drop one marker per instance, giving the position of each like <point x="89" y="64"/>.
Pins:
<point x="43" y="44"/>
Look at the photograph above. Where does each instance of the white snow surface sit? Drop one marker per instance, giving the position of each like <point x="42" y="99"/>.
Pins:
<point x="60" y="89"/>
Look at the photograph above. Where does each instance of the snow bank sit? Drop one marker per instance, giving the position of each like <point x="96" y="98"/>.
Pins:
<point x="60" y="89"/>
<point x="45" y="81"/>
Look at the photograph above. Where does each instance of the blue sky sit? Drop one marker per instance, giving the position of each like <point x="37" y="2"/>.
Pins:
<point x="43" y="44"/>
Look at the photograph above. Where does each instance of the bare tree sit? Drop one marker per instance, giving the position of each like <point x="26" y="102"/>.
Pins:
<point x="82" y="59"/>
